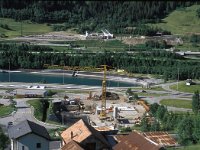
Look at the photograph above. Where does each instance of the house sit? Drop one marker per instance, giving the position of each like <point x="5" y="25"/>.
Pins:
<point x="161" y="138"/>
<point x="135" y="141"/>
<point x="72" y="145"/>
<point x="28" y="135"/>
<point x="26" y="93"/>
<point x="85" y="135"/>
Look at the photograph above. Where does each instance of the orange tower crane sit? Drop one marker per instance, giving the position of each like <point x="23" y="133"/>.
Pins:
<point x="103" y="100"/>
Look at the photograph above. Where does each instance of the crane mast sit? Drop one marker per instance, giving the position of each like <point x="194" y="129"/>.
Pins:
<point x="103" y="101"/>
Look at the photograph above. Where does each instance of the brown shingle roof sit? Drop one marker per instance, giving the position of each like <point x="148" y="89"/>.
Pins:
<point x="80" y="131"/>
<point x="162" y="138"/>
<point x="119" y="137"/>
<point x="135" y="141"/>
<point x="72" y="145"/>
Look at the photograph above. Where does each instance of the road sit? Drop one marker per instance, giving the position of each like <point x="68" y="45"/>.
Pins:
<point x="171" y="94"/>
<point x="24" y="111"/>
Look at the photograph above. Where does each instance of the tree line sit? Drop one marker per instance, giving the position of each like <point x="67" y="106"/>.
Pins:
<point x="187" y="126"/>
<point x="157" y="62"/>
<point x="90" y="15"/>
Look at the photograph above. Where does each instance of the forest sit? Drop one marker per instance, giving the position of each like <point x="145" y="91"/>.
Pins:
<point x="90" y="15"/>
<point x="159" y="62"/>
<point x="116" y="16"/>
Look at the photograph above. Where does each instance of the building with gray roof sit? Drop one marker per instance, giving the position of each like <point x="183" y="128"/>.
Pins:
<point x="28" y="135"/>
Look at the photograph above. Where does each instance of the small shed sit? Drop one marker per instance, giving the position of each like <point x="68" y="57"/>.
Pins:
<point x="31" y="93"/>
<point x="189" y="82"/>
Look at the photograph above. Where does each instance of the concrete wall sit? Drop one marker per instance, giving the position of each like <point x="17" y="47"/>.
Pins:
<point x="30" y="141"/>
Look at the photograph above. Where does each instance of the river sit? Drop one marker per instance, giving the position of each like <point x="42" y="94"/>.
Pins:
<point x="41" y="78"/>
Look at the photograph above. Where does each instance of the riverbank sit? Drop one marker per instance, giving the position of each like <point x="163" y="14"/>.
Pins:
<point x="99" y="75"/>
<point x="93" y="75"/>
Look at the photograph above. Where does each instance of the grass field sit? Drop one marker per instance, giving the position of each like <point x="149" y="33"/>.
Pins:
<point x="150" y="94"/>
<point x="156" y="88"/>
<point x="179" y="103"/>
<point x="27" y="28"/>
<point x="6" y="110"/>
<point x="37" y="108"/>
<point x="188" y="47"/>
<point x="184" y="88"/>
<point x="96" y="45"/>
<point x="191" y="147"/>
<point x="78" y="91"/>
<point x="181" y="21"/>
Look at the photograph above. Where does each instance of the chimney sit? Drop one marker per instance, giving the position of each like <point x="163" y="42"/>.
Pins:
<point x="71" y="134"/>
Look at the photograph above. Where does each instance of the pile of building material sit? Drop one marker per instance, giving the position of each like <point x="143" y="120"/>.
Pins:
<point x="109" y="96"/>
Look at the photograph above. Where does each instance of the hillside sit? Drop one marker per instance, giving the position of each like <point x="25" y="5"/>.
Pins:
<point x="90" y="15"/>
<point x="27" y="28"/>
<point x="181" y="21"/>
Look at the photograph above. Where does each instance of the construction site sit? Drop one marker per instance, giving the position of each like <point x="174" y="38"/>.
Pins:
<point x="105" y="110"/>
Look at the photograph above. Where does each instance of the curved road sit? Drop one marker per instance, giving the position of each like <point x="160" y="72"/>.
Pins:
<point x="171" y="94"/>
<point x="24" y="111"/>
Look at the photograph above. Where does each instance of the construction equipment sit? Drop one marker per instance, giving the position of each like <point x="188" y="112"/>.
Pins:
<point x="103" y="101"/>
<point x="142" y="102"/>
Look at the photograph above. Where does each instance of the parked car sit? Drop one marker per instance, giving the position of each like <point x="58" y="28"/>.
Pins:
<point x="10" y="123"/>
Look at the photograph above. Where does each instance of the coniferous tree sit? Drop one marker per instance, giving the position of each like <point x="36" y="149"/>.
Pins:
<point x="196" y="102"/>
<point x="186" y="130"/>
<point x="196" y="131"/>
<point x="4" y="140"/>
<point x="145" y="124"/>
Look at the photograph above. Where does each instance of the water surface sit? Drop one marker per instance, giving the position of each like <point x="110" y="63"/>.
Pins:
<point x="36" y="78"/>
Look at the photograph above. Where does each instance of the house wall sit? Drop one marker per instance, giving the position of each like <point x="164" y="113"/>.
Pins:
<point x="29" y="142"/>
<point x="92" y="139"/>
<point x="13" y="144"/>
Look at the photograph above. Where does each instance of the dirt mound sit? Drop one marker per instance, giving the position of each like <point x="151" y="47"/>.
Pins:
<point x="133" y="40"/>
<point x="109" y="96"/>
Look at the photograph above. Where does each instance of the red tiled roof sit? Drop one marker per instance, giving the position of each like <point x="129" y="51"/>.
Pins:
<point x="118" y="138"/>
<point x="80" y="131"/>
<point x="72" y="145"/>
<point x="135" y="141"/>
<point x="162" y="138"/>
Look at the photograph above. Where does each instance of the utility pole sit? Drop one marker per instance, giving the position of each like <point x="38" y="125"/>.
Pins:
<point x="63" y="73"/>
<point x="63" y="76"/>
<point x="178" y="79"/>
<point x="21" y="23"/>
<point x="2" y="9"/>
<point x="9" y="71"/>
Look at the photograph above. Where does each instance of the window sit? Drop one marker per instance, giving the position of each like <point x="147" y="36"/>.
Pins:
<point x="22" y="147"/>
<point x="38" y="145"/>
